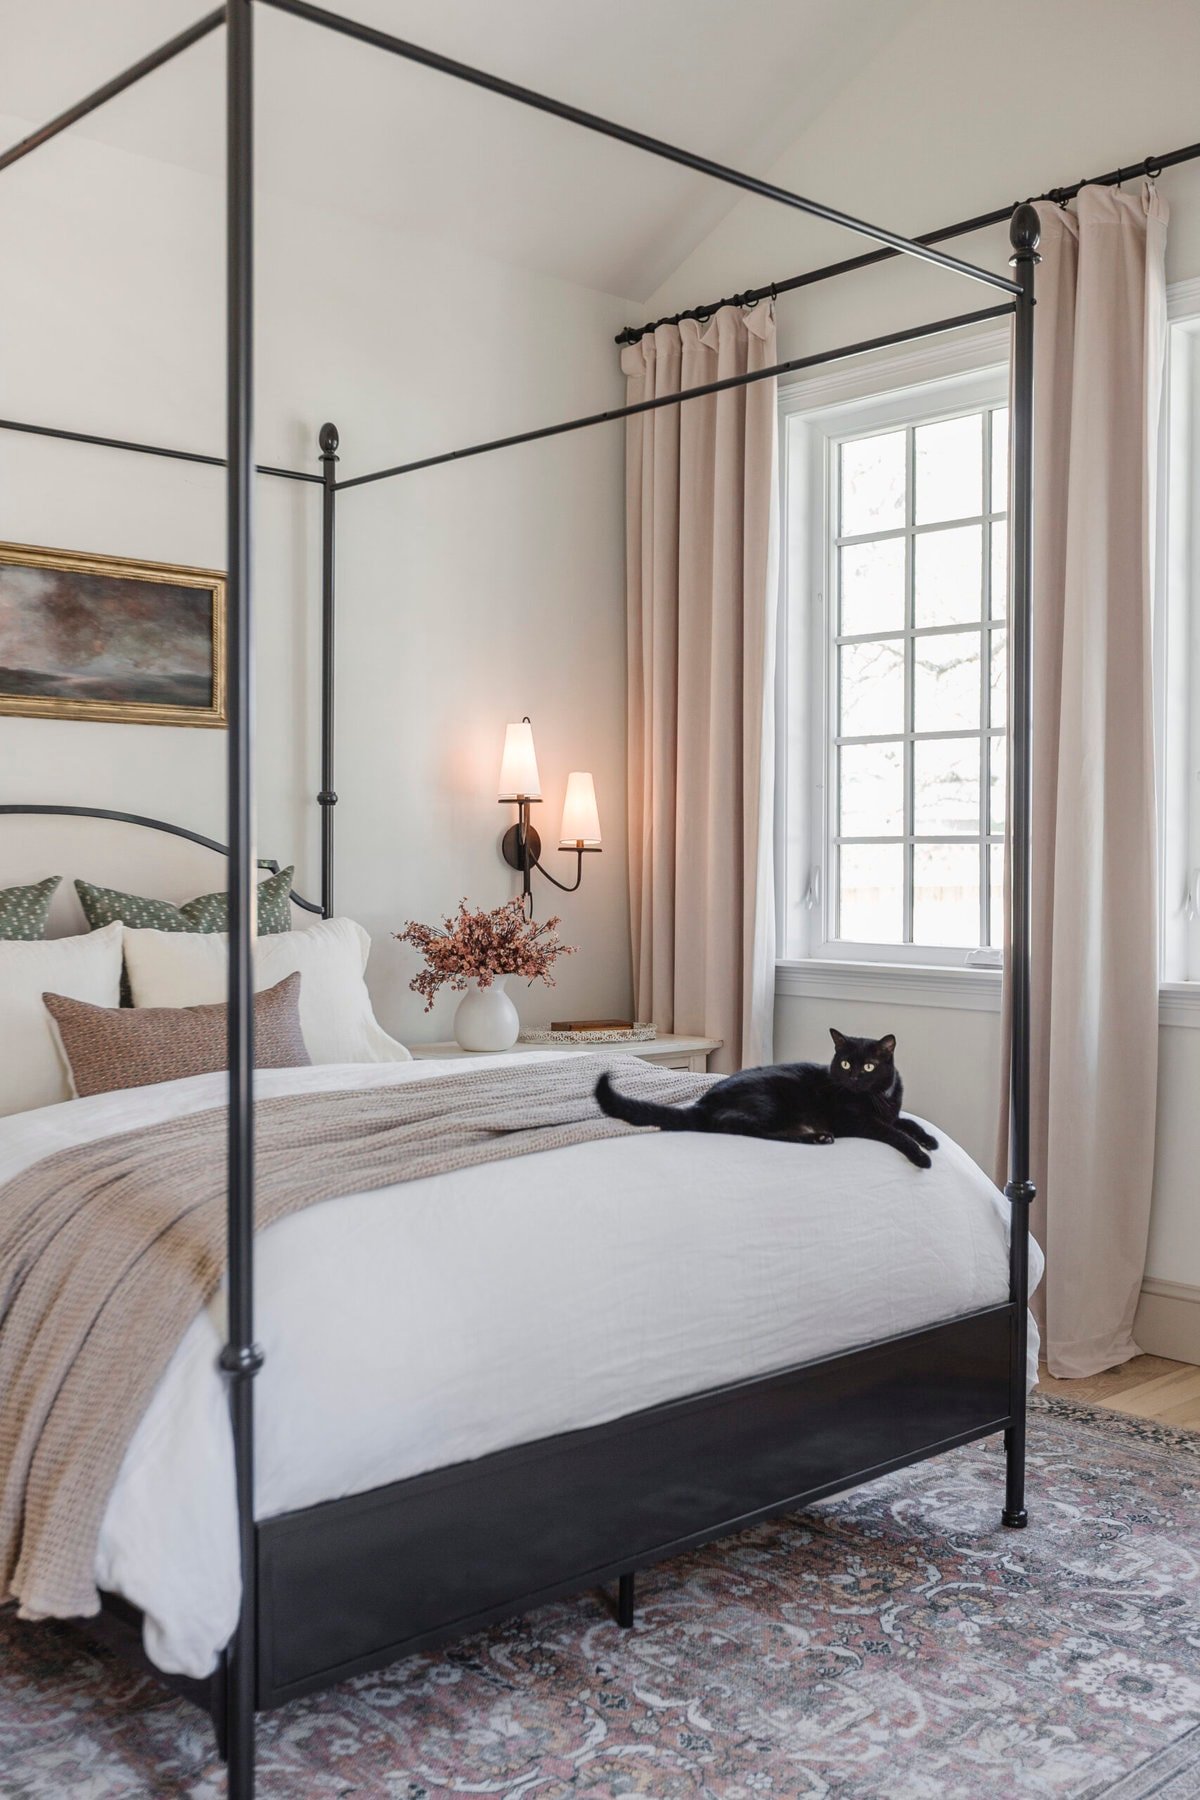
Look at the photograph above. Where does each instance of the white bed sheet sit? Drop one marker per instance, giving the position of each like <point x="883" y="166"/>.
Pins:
<point x="442" y="1319"/>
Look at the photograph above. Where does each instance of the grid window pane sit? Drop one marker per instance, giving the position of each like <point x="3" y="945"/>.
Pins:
<point x="998" y="782"/>
<point x="871" y="581"/>
<point x="948" y="468"/>
<point x="999" y="568"/>
<point x="996" y="896"/>
<point x="998" y="680"/>
<point x="873" y="474"/>
<point x="946" y="692"/>
<point x="946" y="787"/>
<point x="1000" y="459"/>
<point x="871" y="790"/>
<point x="871" y="683"/>
<point x="871" y="909"/>
<point x="948" y="576"/>
<point x="921" y="676"/>
<point x="946" y="894"/>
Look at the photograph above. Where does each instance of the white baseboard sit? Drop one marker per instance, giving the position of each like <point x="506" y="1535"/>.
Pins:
<point x="1168" y="1320"/>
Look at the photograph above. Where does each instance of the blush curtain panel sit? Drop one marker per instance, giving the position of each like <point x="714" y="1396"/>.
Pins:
<point x="1099" y="385"/>
<point x="700" y="578"/>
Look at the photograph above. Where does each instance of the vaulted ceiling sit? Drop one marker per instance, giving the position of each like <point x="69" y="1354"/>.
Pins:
<point x="344" y="126"/>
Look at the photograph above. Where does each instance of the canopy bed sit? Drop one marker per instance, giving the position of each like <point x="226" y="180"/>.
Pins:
<point x="424" y="1547"/>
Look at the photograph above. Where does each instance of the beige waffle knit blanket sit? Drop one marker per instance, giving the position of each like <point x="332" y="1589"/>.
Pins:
<point x="108" y="1250"/>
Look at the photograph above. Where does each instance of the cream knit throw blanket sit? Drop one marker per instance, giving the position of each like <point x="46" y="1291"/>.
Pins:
<point x="109" y="1249"/>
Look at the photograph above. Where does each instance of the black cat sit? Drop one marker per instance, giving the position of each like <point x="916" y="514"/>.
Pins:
<point x="858" y="1095"/>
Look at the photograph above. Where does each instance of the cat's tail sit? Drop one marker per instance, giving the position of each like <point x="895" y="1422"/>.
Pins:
<point x="645" y="1112"/>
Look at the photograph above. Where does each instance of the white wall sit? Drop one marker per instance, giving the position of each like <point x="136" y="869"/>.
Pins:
<point x="467" y="595"/>
<point x="972" y="106"/>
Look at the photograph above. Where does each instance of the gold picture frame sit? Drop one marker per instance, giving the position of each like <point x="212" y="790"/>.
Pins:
<point x="122" y="641"/>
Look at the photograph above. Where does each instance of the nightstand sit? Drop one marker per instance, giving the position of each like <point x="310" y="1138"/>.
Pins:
<point x="668" y="1051"/>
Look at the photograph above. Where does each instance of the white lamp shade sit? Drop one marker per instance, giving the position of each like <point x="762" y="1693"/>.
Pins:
<point x="519" y="777"/>
<point x="580" y="819"/>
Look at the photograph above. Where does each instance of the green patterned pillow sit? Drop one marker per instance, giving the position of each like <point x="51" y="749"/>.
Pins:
<point x="24" y="910"/>
<point x="105" y="906"/>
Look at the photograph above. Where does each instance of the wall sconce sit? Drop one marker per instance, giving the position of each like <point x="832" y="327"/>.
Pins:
<point x="520" y="785"/>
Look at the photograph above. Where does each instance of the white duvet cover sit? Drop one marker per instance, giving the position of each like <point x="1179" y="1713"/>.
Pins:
<point x="442" y="1319"/>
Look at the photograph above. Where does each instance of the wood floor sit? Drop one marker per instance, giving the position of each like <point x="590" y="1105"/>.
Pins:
<point x="1149" y="1386"/>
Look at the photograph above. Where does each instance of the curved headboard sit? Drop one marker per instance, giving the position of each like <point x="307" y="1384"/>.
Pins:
<point x="140" y="819"/>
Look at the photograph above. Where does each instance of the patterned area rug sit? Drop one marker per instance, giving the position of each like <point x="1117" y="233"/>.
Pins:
<point x="891" y="1642"/>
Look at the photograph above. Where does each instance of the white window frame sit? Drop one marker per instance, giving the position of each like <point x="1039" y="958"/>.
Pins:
<point x="808" y="963"/>
<point x="925" y="383"/>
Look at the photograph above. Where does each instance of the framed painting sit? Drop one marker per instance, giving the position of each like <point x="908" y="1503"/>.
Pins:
<point x="99" y="637"/>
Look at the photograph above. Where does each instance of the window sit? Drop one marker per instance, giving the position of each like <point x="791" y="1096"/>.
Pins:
<point x="891" y="765"/>
<point x="896" y="586"/>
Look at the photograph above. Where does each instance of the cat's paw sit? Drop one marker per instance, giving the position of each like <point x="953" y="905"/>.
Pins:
<point x="920" y="1159"/>
<point x="822" y="1137"/>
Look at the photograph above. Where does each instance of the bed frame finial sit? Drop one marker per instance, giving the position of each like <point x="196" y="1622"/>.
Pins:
<point x="1025" y="233"/>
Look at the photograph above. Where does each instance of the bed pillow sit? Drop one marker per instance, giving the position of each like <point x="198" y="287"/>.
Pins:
<point x="24" y="910"/>
<point x="188" y="969"/>
<point x="83" y="968"/>
<point x="210" y="912"/>
<point x="115" y="1047"/>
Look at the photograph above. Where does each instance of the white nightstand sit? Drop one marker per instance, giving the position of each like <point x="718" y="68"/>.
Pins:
<point x="669" y="1052"/>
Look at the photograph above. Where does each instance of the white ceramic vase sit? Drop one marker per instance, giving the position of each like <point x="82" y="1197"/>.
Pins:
<point x="486" y="1018"/>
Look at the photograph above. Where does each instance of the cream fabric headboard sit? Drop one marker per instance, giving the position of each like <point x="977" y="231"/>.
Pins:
<point x="133" y="858"/>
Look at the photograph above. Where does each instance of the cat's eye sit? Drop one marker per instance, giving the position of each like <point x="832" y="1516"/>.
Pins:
<point x="868" y="1068"/>
<point x="845" y="1064"/>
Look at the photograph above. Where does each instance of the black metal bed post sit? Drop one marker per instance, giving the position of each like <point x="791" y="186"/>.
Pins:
<point x="241" y="1358"/>
<point x="327" y="798"/>
<point x="1024" y="232"/>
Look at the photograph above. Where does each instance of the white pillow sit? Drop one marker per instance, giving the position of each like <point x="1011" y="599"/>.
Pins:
<point x="187" y="968"/>
<point x="32" y="1070"/>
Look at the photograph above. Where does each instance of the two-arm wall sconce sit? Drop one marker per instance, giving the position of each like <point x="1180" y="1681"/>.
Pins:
<point x="521" y="785"/>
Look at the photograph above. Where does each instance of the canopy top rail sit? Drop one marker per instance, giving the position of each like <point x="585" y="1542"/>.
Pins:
<point x="510" y="90"/>
<point x="126" y="79"/>
<point x="843" y="352"/>
<point x="637" y="140"/>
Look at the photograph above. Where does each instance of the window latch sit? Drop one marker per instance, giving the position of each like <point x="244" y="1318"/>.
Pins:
<point x="812" y="896"/>
<point x="1191" y="897"/>
<point x="984" y="959"/>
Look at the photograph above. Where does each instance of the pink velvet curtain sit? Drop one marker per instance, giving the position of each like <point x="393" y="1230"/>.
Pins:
<point x="700" y="498"/>
<point x="1099" y="367"/>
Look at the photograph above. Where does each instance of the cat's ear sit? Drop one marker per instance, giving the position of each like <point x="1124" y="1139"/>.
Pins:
<point x="887" y="1045"/>
<point x="837" y="1037"/>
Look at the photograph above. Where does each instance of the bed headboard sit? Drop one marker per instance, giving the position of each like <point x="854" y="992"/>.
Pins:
<point x="128" y="851"/>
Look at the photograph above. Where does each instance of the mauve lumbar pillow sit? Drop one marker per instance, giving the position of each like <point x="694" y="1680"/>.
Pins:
<point x="109" y="1047"/>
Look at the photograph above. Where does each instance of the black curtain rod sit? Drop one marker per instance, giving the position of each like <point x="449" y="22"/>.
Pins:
<point x="108" y="443"/>
<point x="117" y="85"/>
<point x="1152" y="165"/>
<point x="637" y="140"/>
<point x="710" y="387"/>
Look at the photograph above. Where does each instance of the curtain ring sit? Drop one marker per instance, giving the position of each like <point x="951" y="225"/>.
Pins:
<point x="1153" y="169"/>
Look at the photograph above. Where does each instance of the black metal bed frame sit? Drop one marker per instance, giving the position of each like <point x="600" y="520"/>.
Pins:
<point x="350" y="1585"/>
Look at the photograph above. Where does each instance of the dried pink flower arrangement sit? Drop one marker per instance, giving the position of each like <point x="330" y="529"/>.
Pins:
<point x="483" y="945"/>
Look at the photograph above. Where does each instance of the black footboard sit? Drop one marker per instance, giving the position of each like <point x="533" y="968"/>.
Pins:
<point x="355" y="1583"/>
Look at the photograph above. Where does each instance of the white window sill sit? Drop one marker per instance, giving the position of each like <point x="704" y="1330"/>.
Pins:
<point x="904" y="984"/>
<point x="915" y="984"/>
